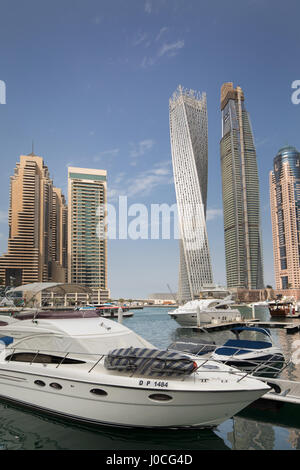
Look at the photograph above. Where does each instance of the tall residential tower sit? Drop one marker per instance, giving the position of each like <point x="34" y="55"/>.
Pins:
<point x="37" y="226"/>
<point x="188" y="131"/>
<point x="285" y="214"/>
<point x="87" y="244"/>
<point x="243" y="247"/>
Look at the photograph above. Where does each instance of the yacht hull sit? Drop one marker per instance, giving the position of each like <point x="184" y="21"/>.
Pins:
<point x="125" y="406"/>
<point x="190" y="319"/>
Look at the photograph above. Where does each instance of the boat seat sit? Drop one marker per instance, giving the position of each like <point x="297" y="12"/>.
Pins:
<point x="232" y="346"/>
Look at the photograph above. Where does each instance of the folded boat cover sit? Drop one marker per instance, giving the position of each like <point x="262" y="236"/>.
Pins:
<point x="149" y="362"/>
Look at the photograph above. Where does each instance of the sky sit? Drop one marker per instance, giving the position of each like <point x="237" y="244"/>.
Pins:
<point x="89" y="82"/>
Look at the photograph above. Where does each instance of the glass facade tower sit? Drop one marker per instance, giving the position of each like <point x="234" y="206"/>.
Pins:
<point x="285" y="215"/>
<point x="87" y="248"/>
<point x="240" y="186"/>
<point x="188" y="132"/>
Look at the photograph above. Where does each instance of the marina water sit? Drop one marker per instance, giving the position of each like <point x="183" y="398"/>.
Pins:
<point x="261" y="427"/>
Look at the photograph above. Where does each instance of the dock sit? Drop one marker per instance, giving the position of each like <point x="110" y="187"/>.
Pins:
<point x="285" y="391"/>
<point x="211" y="327"/>
<point x="290" y="328"/>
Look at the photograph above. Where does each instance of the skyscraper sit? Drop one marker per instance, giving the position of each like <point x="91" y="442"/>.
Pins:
<point x="60" y="231"/>
<point x="188" y="132"/>
<point x="87" y="246"/>
<point x="285" y="215"/>
<point x="240" y="185"/>
<point x="35" y="226"/>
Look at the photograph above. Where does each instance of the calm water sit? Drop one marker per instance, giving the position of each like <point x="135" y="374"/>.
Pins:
<point x="255" y="428"/>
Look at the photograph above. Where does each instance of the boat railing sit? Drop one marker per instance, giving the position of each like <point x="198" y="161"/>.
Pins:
<point x="204" y="360"/>
<point x="271" y="366"/>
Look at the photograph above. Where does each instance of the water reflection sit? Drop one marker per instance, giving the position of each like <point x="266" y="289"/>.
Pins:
<point x="21" y="429"/>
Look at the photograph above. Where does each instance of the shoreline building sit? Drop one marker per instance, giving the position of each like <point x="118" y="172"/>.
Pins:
<point x="87" y="244"/>
<point x="188" y="134"/>
<point x="240" y="188"/>
<point x="285" y="215"/>
<point x="37" y="226"/>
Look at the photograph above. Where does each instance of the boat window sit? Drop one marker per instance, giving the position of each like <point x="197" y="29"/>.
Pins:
<point x="98" y="391"/>
<point x="56" y="386"/>
<point x="40" y="383"/>
<point x="213" y="304"/>
<point x="222" y="306"/>
<point x="160" y="397"/>
<point x="41" y="358"/>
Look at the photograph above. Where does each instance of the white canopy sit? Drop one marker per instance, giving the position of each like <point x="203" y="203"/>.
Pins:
<point x="56" y="287"/>
<point x="32" y="290"/>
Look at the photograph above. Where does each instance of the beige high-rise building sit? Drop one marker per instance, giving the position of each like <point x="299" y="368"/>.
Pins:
<point x="285" y="215"/>
<point x="87" y="245"/>
<point x="37" y="226"/>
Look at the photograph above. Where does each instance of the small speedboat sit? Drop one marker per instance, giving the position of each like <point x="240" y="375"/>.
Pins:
<point x="257" y="357"/>
<point x="107" y="310"/>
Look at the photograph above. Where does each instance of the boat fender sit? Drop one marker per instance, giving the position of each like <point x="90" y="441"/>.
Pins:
<point x="275" y="387"/>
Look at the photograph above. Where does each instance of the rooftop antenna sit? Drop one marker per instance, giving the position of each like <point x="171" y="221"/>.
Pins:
<point x="32" y="151"/>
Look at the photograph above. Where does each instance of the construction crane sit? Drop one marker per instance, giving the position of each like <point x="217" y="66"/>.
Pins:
<point x="174" y="298"/>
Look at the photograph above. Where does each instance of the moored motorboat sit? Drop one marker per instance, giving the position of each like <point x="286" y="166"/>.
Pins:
<point x="205" y="311"/>
<point x="260" y="357"/>
<point x="94" y="370"/>
<point x="108" y="310"/>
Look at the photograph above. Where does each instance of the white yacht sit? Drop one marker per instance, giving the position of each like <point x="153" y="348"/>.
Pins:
<point x="205" y="311"/>
<point x="98" y="371"/>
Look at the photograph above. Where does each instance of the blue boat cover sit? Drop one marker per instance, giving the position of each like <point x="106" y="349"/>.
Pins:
<point x="151" y="362"/>
<point x="238" y="329"/>
<point x="235" y="346"/>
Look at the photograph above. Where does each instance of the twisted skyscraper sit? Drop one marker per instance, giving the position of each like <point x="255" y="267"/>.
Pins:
<point x="188" y="131"/>
<point x="243" y="249"/>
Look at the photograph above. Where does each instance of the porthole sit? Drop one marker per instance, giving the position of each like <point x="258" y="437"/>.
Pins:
<point x="99" y="391"/>
<point x="56" y="386"/>
<point x="160" y="397"/>
<point x="40" y="383"/>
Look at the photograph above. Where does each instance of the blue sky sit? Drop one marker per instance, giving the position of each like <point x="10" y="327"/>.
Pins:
<point x="90" y="81"/>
